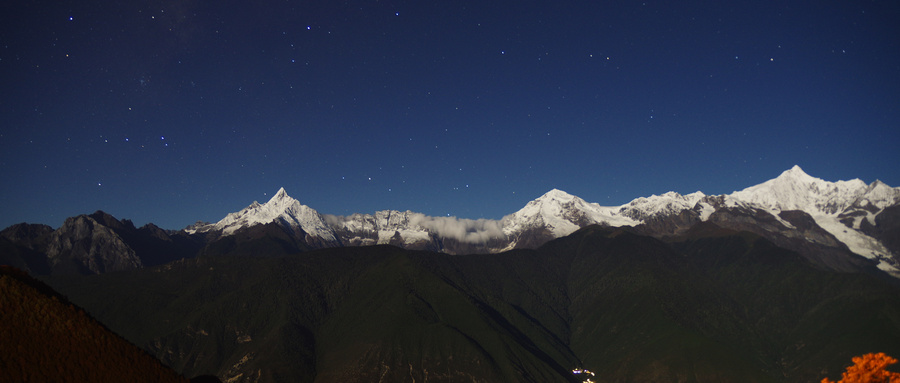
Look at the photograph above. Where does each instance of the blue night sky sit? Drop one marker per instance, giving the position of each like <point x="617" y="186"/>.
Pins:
<point x="175" y="111"/>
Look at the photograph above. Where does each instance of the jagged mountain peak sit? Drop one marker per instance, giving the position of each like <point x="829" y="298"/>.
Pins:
<point x="834" y="206"/>
<point x="658" y="205"/>
<point x="281" y="208"/>
<point x="281" y="195"/>
<point x="796" y="190"/>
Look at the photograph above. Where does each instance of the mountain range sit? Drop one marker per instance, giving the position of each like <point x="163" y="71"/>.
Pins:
<point x="783" y="281"/>
<point x="844" y="215"/>
<point x="843" y="225"/>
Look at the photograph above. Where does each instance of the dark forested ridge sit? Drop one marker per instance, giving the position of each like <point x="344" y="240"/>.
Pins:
<point x="712" y="305"/>
<point x="44" y="338"/>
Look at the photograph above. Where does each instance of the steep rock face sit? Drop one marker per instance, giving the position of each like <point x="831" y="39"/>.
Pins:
<point x="84" y="245"/>
<point x="92" y="243"/>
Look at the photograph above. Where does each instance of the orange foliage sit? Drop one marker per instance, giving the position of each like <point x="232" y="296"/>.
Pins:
<point x="869" y="368"/>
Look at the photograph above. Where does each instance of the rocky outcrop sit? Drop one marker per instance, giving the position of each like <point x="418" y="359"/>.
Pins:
<point x="85" y="245"/>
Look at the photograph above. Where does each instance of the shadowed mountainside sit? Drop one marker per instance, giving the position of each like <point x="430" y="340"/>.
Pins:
<point x="713" y="305"/>
<point x="44" y="338"/>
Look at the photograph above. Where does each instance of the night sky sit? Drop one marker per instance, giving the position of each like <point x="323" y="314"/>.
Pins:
<point x="176" y="111"/>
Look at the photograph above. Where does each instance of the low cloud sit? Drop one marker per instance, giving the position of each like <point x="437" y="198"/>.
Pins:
<point x="460" y="229"/>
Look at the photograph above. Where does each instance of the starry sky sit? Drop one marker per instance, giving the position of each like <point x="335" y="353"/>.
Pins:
<point x="170" y="111"/>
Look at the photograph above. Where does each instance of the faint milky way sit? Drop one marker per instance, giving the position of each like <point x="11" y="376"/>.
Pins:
<point x="175" y="111"/>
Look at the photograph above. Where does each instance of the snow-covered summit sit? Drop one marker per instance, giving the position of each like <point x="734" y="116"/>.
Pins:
<point x="840" y="208"/>
<point x="281" y="208"/>
<point x="796" y="190"/>
<point x="562" y="214"/>
<point x="833" y="205"/>
<point x="660" y="205"/>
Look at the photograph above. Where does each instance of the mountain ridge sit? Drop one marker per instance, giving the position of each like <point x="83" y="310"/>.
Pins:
<point x="845" y="225"/>
<point x="836" y="207"/>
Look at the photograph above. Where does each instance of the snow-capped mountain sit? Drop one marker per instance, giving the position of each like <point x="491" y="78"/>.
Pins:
<point x="384" y="227"/>
<point x="837" y="214"/>
<point x="829" y="204"/>
<point x="670" y="203"/>
<point x="559" y="214"/>
<point x="281" y="209"/>
<point x="796" y="190"/>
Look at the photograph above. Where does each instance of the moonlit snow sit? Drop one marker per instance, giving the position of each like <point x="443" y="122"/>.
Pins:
<point x="561" y="214"/>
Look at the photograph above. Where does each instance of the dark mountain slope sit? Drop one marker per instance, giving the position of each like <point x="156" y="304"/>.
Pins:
<point x="45" y="338"/>
<point x="267" y="240"/>
<point x="803" y="317"/>
<point x="24" y="246"/>
<point x="639" y="313"/>
<point x="712" y="305"/>
<point x="353" y="314"/>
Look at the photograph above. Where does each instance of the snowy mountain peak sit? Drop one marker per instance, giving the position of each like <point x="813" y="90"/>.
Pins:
<point x="561" y="214"/>
<point x="795" y="172"/>
<point x="796" y="190"/>
<point x="281" y="209"/>
<point x="280" y="195"/>
<point x="556" y="195"/>
<point x="840" y="208"/>
<point x="660" y="205"/>
<point x="279" y="203"/>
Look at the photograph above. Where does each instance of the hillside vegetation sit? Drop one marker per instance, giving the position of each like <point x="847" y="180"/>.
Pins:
<point x="709" y="306"/>
<point x="44" y="338"/>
